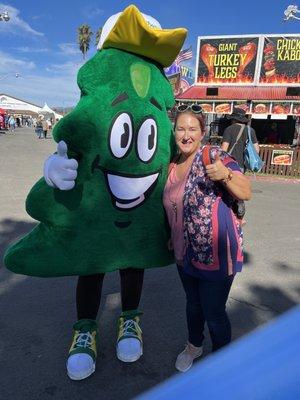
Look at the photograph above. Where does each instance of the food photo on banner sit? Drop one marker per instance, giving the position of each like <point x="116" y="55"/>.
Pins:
<point x="223" y="60"/>
<point x="260" y="108"/>
<point x="282" y="157"/>
<point x="223" y="107"/>
<point x="281" y="60"/>
<point x="281" y="108"/>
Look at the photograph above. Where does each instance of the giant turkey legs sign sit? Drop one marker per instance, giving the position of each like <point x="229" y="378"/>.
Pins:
<point x="248" y="60"/>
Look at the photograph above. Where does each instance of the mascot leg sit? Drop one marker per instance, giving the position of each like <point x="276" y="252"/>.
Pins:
<point x="129" y="342"/>
<point x="81" y="362"/>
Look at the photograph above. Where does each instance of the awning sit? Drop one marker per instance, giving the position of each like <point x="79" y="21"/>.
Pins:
<point x="238" y="93"/>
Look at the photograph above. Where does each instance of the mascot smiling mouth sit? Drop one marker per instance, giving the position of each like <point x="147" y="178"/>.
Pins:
<point x="129" y="191"/>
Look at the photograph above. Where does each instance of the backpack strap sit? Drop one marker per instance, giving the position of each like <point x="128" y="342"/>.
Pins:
<point x="206" y="159"/>
<point x="242" y="128"/>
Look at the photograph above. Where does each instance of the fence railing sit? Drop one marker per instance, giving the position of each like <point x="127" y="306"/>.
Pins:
<point x="293" y="170"/>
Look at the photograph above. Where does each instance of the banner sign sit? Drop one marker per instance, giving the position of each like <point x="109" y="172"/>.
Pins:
<point x="248" y="60"/>
<point x="227" y="60"/>
<point x="280" y="60"/>
<point x="175" y="83"/>
<point x="282" y="157"/>
<point x="180" y="72"/>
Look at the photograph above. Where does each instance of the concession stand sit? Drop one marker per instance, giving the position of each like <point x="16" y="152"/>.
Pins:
<point x="260" y="74"/>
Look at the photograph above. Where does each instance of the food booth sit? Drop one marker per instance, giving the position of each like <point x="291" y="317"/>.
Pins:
<point x="260" y="74"/>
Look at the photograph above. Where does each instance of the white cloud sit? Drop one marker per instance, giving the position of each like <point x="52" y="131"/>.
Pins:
<point x="60" y="90"/>
<point x="69" y="68"/>
<point x="26" y="49"/>
<point x="11" y="65"/>
<point x="69" y="49"/>
<point x="41" y="16"/>
<point x="57" y="85"/>
<point x="16" y="25"/>
<point x="91" y="12"/>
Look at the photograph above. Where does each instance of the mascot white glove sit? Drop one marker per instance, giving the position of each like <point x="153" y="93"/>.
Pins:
<point x="59" y="171"/>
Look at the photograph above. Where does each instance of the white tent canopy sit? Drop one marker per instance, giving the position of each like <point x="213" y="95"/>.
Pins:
<point x="48" y="112"/>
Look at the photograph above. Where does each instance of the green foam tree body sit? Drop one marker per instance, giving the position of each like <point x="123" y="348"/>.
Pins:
<point x="121" y="136"/>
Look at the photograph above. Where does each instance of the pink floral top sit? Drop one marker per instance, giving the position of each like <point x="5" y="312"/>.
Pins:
<point x="212" y="235"/>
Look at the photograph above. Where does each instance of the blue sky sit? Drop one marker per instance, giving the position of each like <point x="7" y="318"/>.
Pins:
<point x="39" y="42"/>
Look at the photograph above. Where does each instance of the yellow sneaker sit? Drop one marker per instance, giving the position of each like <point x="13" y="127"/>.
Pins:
<point x="81" y="362"/>
<point x="129" y="342"/>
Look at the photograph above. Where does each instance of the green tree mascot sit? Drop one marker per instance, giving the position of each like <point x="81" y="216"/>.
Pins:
<point x="100" y="201"/>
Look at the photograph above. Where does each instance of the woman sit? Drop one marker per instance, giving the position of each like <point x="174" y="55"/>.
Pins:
<point x="205" y="233"/>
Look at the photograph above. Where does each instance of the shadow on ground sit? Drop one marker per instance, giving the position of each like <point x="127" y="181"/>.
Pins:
<point x="36" y="317"/>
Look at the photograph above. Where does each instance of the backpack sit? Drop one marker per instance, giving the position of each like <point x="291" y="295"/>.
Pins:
<point x="252" y="160"/>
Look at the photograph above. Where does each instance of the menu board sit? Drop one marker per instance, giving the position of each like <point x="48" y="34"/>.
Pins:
<point x="280" y="63"/>
<point x="226" y="60"/>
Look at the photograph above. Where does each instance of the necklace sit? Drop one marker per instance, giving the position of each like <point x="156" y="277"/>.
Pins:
<point x="182" y="182"/>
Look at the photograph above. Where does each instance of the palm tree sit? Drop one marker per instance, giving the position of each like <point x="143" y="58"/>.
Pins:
<point x="84" y="38"/>
<point x="98" y="35"/>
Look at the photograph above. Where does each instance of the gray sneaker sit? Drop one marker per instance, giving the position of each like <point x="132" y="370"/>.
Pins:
<point x="185" y="359"/>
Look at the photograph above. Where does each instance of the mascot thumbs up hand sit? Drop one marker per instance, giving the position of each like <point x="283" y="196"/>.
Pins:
<point x="59" y="171"/>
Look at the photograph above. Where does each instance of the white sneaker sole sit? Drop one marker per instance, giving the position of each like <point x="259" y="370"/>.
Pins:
<point x="129" y="359"/>
<point x="80" y="377"/>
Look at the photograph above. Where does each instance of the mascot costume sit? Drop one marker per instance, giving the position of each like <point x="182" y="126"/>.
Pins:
<point x="100" y="201"/>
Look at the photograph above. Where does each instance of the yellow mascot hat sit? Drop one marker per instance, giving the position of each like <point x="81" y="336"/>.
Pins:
<point x="141" y="34"/>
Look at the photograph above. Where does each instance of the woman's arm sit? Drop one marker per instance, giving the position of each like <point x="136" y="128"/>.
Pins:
<point x="234" y="182"/>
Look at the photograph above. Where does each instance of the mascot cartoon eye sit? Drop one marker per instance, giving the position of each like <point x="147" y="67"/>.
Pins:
<point x="147" y="140"/>
<point x="120" y="137"/>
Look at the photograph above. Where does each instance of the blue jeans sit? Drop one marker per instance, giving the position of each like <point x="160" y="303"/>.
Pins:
<point x="206" y="302"/>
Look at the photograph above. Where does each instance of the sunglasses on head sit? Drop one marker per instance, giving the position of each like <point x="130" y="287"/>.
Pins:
<point x="195" y="108"/>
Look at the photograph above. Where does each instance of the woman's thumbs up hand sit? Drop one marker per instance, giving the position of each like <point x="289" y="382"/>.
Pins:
<point x="217" y="170"/>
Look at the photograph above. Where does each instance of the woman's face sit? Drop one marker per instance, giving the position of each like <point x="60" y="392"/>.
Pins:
<point x="188" y="134"/>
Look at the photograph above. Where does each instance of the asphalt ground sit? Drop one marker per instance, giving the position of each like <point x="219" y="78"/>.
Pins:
<point x="36" y="315"/>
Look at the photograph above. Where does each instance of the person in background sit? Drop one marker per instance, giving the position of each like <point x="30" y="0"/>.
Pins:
<point x="45" y="127"/>
<point x="39" y="128"/>
<point x="234" y="142"/>
<point x="6" y="119"/>
<point x="12" y="123"/>
<point x="230" y="143"/>
<point x="1" y="122"/>
<point x="205" y="234"/>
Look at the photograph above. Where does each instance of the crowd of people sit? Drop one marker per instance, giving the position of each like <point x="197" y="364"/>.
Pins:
<point x="42" y="125"/>
<point x="10" y="122"/>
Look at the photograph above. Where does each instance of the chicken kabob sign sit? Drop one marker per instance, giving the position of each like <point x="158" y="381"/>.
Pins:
<point x="281" y="60"/>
